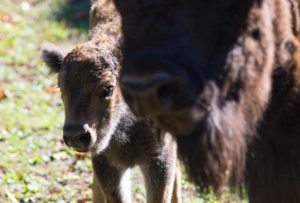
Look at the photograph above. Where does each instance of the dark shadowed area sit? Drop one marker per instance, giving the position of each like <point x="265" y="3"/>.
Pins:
<point x="75" y="13"/>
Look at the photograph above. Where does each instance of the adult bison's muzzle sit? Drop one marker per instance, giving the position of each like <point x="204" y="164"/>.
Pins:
<point x="155" y="84"/>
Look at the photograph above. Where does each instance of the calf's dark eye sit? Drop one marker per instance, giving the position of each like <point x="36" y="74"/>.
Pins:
<point x="106" y="92"/>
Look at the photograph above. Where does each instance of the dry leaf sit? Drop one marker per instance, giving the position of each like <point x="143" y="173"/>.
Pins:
<point x="81" y="155"/>
<point x="82" y="201"/>
<point x="2" y="95"/>
<point x="5" y="18"/>
<point x="10" y="18"/>
<point x="3" y="169"/>
<point x="5" y="94"/>
<point x="53" y="90"/>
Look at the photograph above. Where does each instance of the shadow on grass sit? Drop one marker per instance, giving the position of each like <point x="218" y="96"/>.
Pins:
<point x="75" y="13"/>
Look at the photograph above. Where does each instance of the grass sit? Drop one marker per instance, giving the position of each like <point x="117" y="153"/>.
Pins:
<point x="35" y="165"/>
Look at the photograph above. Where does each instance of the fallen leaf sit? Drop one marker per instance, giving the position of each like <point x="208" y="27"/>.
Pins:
<point x="9" y="18"/>
<point x="5" y="18"/>
<point x="82" y="200"/>
<point x="53" y="90"/>
<point x="2" y="95"/>
<point x="81" y="155"/>
<point x="5" y="94"/>
<point x="3" y="169"/>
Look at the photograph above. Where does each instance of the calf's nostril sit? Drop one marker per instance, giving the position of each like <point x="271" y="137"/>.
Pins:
<point x="85" y="138"/>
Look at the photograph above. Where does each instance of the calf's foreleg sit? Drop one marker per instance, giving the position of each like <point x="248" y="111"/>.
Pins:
<point x="110" y="181"/>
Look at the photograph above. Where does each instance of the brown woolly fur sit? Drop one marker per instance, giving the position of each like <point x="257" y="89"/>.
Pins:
<point x="98" y="120"/>
<point x="224" y="77"/>
<point x="102" y="12"/>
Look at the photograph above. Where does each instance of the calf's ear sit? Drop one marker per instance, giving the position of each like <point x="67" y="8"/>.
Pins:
<point x="53" y="57"/>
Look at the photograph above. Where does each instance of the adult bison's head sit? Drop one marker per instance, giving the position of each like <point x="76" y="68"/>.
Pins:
<point x="185" y="59"/>
<point x="202" y="69"/>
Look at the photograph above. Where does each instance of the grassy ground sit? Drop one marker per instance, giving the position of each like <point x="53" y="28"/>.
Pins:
<point x="35" y="166"/>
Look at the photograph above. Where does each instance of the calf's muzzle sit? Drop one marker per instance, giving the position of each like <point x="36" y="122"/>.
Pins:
<point x="77" y="136"/>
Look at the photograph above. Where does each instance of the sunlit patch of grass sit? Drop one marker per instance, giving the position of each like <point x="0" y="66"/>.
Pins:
<point x="35" y="165"/>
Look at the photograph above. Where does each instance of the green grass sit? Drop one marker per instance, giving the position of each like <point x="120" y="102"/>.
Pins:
<point x="35" y="165"/>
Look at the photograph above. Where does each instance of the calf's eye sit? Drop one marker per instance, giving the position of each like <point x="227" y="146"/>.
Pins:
<point x="106" y="92"/>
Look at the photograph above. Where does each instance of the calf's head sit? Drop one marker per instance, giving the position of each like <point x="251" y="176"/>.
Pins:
<point x="87" y="78"/>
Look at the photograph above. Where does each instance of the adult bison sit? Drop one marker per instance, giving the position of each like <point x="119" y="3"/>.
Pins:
<point x="223" y="76"/>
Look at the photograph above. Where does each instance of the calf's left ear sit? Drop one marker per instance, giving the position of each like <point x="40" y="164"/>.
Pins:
<point x="53" y="57"/>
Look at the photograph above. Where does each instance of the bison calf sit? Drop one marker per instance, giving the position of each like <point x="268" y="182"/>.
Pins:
<point x="98" y="120"/>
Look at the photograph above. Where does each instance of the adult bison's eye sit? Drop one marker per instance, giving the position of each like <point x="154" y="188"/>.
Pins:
<point x="106" y="92"/>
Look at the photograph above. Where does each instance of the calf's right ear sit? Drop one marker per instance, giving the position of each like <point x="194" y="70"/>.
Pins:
<point x="53" y="57"/>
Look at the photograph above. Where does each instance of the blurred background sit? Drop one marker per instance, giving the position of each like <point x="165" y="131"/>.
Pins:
<point x="35" y="165"/>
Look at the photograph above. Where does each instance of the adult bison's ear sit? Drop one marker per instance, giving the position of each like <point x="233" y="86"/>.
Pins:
<point x="53" y="57"/>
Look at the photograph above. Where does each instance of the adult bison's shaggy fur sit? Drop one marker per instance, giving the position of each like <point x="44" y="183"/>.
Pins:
<point x="98" y="120"/>
<point x="225" y="77"/>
